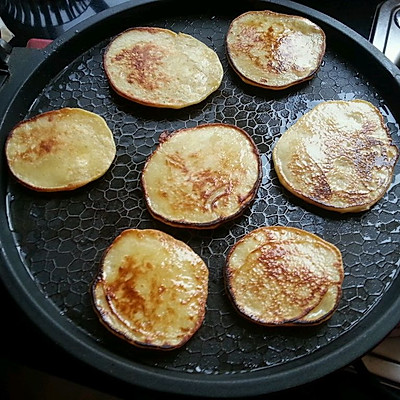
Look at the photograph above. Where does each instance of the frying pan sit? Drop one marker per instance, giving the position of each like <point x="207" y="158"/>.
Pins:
<point x="51" y="244"/>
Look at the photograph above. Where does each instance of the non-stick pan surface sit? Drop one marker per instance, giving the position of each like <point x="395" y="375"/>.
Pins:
<point x="51" y="244"/>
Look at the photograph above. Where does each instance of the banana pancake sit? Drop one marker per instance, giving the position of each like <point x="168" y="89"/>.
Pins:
<point x="60" y="150"/>
<point x="279" y="275"/>
<point x="160" y="68"/>
<point x="274" y="50"/>
<point x="151" y="289"/>
<point x="338" y="156"/>
<point x="201" y="177"/>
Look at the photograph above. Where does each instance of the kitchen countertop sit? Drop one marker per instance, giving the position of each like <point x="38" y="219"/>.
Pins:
<point x="33" y="366"/>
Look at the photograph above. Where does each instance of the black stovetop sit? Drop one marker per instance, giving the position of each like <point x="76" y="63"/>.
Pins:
<point x="51" y="18"/>
<point x="48" y="19"/>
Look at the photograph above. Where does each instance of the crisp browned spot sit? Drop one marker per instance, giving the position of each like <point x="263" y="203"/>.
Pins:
<point x="127" y="300"/>
<point x="46" y="146"/>
<point x="261" y="46"/>
<point x="212" y="187"/>
<point x="176" y="161"/>
<point x="123" y="291"/>
<point x="43" y="147"/>
<point x="142" y="62"/>
<point x="272" y="260"/>
<point x="207" y="186"/>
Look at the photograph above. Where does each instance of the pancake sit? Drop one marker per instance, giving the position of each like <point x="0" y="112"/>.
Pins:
<point x="151" y="289"/>
<point x="60" y="150"/>
<point x="160" y="68"/>
<point x="274" y="50"/>
<point x="338" y="156"/>
<point x="201" y="177"/>
<point x="279" y="275"/>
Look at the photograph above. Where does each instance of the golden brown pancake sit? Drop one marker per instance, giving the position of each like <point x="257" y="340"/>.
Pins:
<point x="279" y="275"/>
<point x="274" y="50"/>
<point x="151" y="289"/>
<point x="201" y="177"/>
<point x="160" y="68"/>
<point x="60" y="150"/>
<point x="338" y="156"/>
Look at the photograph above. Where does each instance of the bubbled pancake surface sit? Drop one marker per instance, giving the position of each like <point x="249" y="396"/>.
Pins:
<point x="151" y="289"/>
<point x="338" y="156"/>
<point x="202" y="177"/>
<point x="60" y="150"/>
<point x="277" y="275"/>
<point x="160" y="68"/>
<point x="274" y="50"/>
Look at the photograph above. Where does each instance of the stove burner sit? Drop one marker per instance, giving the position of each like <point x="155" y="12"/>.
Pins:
<point x="47" y="19"/>
<point x="46" y="12"/>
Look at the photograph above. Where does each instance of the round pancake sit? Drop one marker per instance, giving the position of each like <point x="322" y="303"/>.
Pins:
<point x="201" y="177"/>
<point x="151" y="289"/>
<point x="282" y="275"/>
<point x="274" y="50"/>
<point x="160" y="68"/>
<point x="338" y="156"/>
<point x="60" y="150"/>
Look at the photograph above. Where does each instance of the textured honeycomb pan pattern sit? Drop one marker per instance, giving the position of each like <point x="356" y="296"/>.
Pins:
<point x="62" y="236"/>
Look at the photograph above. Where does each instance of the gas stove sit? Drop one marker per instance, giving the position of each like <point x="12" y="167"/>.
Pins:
<point x="48" y="19"/>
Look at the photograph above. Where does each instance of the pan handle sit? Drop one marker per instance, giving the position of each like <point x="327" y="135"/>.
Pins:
<point x="5" y="51"/>
<point x="16" y="65"/>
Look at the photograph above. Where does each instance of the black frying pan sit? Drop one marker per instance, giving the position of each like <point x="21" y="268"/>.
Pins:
<point x="51" y="244"/>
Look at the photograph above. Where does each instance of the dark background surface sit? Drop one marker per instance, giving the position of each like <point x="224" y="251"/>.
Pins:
<point x="34" y="367"/>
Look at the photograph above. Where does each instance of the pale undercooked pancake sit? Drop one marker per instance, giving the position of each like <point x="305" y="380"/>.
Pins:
<point x="60" y="150"/>
<point x="338" y="156"/>
<point x="151" y="289"/>
<point x="279" y="275"/>
<point x="201" y="177"/>
<point x="274" y="50"/>
<point x="160" y="68"/>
